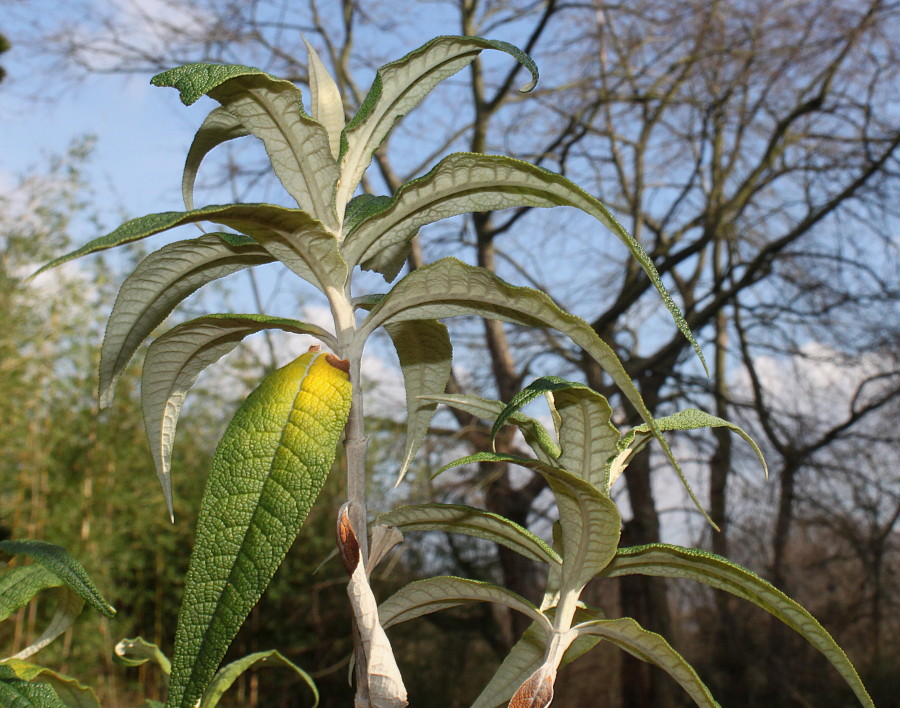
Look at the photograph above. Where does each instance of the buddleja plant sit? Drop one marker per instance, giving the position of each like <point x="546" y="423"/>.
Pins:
<point x="280" y="445"/>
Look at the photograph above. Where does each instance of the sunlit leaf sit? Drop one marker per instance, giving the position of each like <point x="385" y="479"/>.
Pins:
<point x="669" y="561"/>
<point x="18" y="693"/>
<point x="159" y="283"/>
<point x="537" y="437"/>
<point x="175" y="360"/>
<point x="327" y="106"/>
<point x="424" y="350"/>
<point x="469" y="182"/>
<point x="398" y="88"/>
<point x="60" y="562"/>
<point x="290" y="235"/>
<point x="537" y="690"/>
<point x="228" y="674"/>
<point x="218" y="127"/>
<point x="689" y="419"/>
<point x="589" y="520"/>
<point x="627" y="634"/>
<point x="455" y="518"/>
<point x="272" y="110"/>
<point x="586" y="433"/>
<point x="423" y="597"/>
<point x="267" y="471"/>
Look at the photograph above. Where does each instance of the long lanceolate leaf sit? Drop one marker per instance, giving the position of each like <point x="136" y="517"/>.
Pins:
<point x="425" y="352"/>
<point x="398" y="88"/>
<point x="467" y="182"/>
<point x="455" y="518"/>
<point x="267" y="471"/>
<point x="175" y="360"/>
<point x="669" y="561"/>
<point x="290" y="235"/>
<point x="272" y="110"/>
<point x="159" y="283"/>
<point x="218" y="127"/>
<point x="627" y="634"/>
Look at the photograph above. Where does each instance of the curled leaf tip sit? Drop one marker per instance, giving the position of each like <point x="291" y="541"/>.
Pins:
<point x="313" y="348"/>
<point x="347" y="543"/>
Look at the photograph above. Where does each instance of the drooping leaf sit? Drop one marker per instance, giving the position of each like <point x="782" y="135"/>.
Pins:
<point x="18" y="693"/>
<point x="398" y="88"/>
<point x="384" y="687"/>
<point x="217" y="128"/>
<point x="71" y="692"/>
<point x="327" y="106"/>
<point x="138" y="651"/>
<point x="175" y="360"/>
<point x="267" y="471"/>
<point x="60" y="562"/>
<point x="159" y="283"/>
<point x="425" y="354"/>
<point x="652" y="648"/>
<point x="19" y="585"/>
<point x="455" y="518"/>
<point x="68" y="606"/>
<point x="469" y="182"/>
<point x="689" y="419"/>
<point x="664" y="560"/>
<point x="227" y="675"/>
<point x="272" y="110"/>
<point x="537" y="387"/>
<point x="423" y="597"/>
<point x="589" y="520"/>
<point x="292" y="236"/>
<point x="535" y="434"/>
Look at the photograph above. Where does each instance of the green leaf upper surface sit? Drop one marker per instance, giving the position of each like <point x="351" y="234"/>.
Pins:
<point x="227" y="675"/>
<point x="267" y="472"/>
<point x="537" y="437"/>
<point x="544" y="384"/>
<point x="451" y="288"/>
<point x="627" y="634"/>
<point x="18" y="693"/>
<point x="71" y="692"/>
<point x="272" y="110"/>
<point x="217" y="128"/>
<point x="19" y="585"/>
<point x="455" y="518"/>
<point x="138" y="651"/>
<point x="60" y="562"/>
<point x="159" y="283"/>
<point x="468" y="182"/>
<point x="589" y="519"/>
<point x="689" y="419"/>
<point x="423" y="597"/>
<point x="398" y="88"/>
<point x="290" y="235"/>
<point x="669" y="561"/>
<point x="425" y="354"/>
<point x="175" y="360"/>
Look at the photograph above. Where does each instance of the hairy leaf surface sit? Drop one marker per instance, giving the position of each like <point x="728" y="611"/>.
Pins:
<point x="71" y="692"/>
<point x="398" y="88"/>
<point x="217" y="128"/>
<point x="425" y="353"/>
<point x="327" y="106"/>
<point x="159" y="283"/>
<point x="664" y="560"/>
<point x="176" y="359"/>
<point x="267" y="471"/>
<point x="272" y="110"/>
<point x="456" y="518"/>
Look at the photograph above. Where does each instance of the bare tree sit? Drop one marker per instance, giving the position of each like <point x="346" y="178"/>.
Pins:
<point x="751" y="147"/>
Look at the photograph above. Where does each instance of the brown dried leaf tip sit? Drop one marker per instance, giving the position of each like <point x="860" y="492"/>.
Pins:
<point x="337" y="363"/>
<point x="346" y="540"/>
<point x="537" y="691"/>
